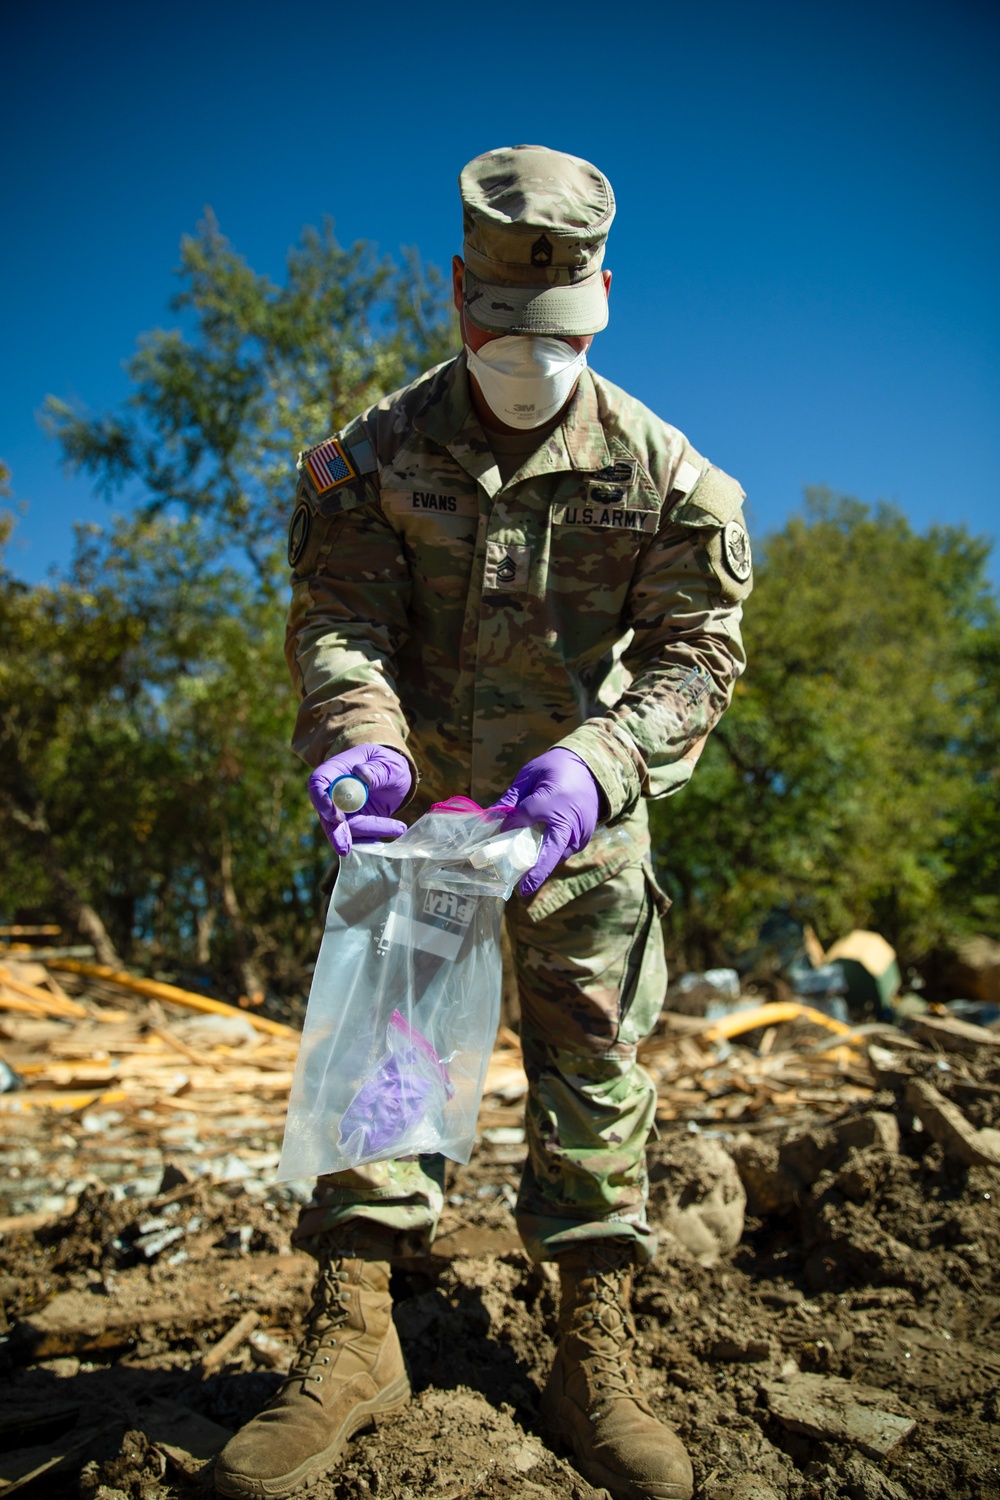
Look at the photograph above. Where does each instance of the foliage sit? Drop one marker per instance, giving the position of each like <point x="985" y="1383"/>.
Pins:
<point x="145" y="708"/>
<point x="217" y="415"/>
<point x="855" y="775"/>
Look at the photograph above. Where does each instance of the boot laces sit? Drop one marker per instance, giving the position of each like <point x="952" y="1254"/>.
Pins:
<point x="328" y="1313"/>
<point x="603" y="1321"/>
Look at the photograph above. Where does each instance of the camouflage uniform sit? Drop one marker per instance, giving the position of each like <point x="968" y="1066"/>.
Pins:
<point x="592" y="601"/>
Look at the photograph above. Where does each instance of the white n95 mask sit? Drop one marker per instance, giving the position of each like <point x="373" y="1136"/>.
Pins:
<point x="526" y="379"/>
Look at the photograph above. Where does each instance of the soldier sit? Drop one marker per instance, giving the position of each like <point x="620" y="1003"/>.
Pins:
<point x="512" y="580"/>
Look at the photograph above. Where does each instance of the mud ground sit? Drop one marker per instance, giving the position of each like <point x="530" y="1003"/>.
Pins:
<point x="867" y="1256"/>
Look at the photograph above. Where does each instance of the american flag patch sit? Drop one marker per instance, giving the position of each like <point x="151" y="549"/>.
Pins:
<point x="329" y="466"/>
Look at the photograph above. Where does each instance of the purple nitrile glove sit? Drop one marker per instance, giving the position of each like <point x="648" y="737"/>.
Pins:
<point x="388" y="1104"/>
<point x="387" y="776"/>
<point x="556" y="789"/>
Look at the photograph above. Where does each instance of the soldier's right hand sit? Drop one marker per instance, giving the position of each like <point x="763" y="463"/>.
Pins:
<point x="387" y="776"/>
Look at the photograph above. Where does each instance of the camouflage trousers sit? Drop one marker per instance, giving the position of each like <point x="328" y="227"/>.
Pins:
<point x="591" y="978"/>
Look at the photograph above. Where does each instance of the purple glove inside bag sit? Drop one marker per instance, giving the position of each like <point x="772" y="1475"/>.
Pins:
<point x="400" y="1100"/>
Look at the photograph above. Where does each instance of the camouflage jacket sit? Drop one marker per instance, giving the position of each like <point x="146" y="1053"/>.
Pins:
<point x="593" y="602"/>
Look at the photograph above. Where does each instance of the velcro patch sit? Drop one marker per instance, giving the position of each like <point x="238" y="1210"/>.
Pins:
<point x="329" y="466"/>
<point x="429" y="502"/>
<point x="610" y="517"/>
<point x="686" y="477"/>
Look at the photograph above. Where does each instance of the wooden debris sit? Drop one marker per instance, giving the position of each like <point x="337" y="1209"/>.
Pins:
<point x="835" y="1410"/>
<point x="153" y="989"/>
<point x="228" y="1344"/>
<point x="953" y="1035"/>
<point x="738" y="1022"/>
<point x="11" y="1224"/>
<point x="187" y="1438"/>
<point x="947" y="1124"/>
<point x="45" y="1003"/>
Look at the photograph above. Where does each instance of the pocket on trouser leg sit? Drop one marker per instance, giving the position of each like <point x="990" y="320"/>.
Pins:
<point x="588" y="1120"/>
<point x="644" y="985"/>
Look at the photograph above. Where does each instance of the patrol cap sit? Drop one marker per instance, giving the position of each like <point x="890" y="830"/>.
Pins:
<point x="535" y="224"/>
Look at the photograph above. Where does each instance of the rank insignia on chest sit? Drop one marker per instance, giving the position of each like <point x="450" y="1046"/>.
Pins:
<point x="329" y="466"/>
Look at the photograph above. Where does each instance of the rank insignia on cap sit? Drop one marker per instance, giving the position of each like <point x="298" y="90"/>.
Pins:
<point x="736" y="551"/>
<point x="329" y="466"/>
<point x="541" y="251"/>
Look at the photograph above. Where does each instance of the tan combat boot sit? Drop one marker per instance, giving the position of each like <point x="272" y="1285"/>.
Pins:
<point x="349" y="1368"/>
<point x="592" y="1400"/>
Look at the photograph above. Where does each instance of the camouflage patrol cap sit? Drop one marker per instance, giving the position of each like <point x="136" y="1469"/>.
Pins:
<point x="535" y="224"/>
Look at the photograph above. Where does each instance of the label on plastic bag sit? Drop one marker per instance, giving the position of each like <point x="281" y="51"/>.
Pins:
<point x="441" y="927"/>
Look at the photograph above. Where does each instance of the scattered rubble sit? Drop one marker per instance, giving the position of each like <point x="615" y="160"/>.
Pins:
<point x="822" y="1318"/>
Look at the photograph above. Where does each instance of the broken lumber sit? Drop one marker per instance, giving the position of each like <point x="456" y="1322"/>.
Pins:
<point x="228" y="1344"/>
<point x="740" y="1021"/>
<point x="153" y="989"/>
<point x="47" y="1004"/>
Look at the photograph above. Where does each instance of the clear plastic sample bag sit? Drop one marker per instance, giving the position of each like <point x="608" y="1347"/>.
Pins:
<point x="405" y="1000"/>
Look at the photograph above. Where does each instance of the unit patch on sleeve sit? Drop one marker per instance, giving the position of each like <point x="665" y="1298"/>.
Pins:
<point x="298" y="533"/>
<point x="736" y="551"/>
<point x="329" y="466"/>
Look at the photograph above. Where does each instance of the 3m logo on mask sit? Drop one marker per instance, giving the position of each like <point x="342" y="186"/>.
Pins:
<point x="506" y="567"/>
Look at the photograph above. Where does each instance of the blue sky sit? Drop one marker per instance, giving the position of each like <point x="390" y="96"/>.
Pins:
<point x="805" y="253"/>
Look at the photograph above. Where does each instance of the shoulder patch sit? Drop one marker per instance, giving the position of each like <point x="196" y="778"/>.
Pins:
<point x="736" y="551"/>
<point x="298" y="532"/>
<point x="329" y="466"/>
<point x="715" y="500"/>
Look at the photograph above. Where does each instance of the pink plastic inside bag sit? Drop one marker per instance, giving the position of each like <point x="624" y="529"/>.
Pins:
<point x="457" y="805"/>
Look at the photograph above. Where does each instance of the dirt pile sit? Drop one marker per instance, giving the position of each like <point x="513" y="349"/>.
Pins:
<point x="822" y="1319"/>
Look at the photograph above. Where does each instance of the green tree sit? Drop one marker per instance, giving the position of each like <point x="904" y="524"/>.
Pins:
<point x="855" y="759"/>
<point x="145" y="707"/>
<point x="219" y="411"/>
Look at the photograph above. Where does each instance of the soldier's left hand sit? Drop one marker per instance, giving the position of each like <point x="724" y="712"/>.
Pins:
<point x="557" y="790"/>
